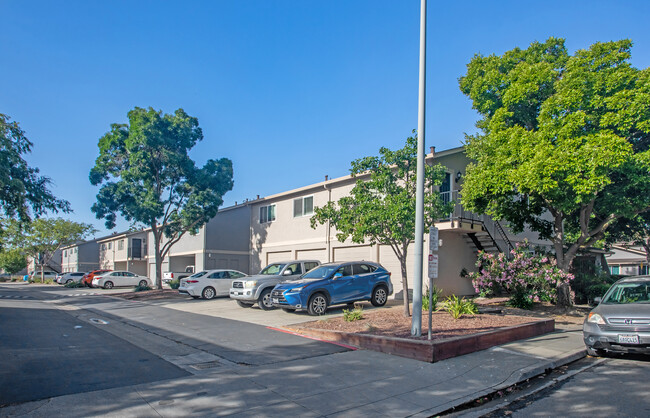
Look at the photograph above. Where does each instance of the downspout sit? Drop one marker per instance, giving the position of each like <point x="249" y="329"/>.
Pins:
<point x="328" y="245"/>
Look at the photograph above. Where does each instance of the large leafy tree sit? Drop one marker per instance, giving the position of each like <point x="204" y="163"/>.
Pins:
<point x="381" y="207"/>
<point x="45" y="236"/>
<point x="24" y="193"/>
<point x="12" y="260"/>
<point x="147" y="176"/>
<point x="563" y="142"/>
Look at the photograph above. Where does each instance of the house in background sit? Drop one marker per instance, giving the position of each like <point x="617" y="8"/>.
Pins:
<point x="281" y="230"/>
<point x="124" y="251"/>
<point x="54" y="264"/>
<point x="82" y="256"/>
<point x="223" y="242"/>
<point x="627" y="260"/>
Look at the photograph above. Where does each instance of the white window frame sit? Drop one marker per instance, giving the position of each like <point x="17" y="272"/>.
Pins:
<point x="267" y="214"/>
<point x="302" y="206"/>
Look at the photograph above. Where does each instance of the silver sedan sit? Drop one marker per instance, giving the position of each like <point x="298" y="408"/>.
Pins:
<point x="209" y="283"/>
<point x="120" y="279"/>
<point x="621" y="321"/>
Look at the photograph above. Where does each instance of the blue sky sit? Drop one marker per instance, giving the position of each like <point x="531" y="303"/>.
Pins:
<point x="289" y="90"/>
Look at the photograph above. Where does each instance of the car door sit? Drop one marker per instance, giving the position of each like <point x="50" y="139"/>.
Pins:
<point x="296" y="271"/>
<point x="363" y="280"/>
<point x="340" y="287"/>
<point x="221" y="282"/>
<point x="129" y="279"/>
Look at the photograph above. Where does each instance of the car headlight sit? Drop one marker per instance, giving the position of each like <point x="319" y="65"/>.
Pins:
<point x="250" y="283"/>
<point x="594" y="318"/>
<point x="297" y="289"/>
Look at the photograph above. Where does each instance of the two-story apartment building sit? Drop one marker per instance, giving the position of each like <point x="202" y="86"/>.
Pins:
<point x="223" y="242"/>
<point x="280" y="230"/>
<point x="124" y="251"/>
<point x="82" y="256"/>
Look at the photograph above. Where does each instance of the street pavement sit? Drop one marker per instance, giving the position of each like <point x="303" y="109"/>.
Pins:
<point x="243" y="369"/>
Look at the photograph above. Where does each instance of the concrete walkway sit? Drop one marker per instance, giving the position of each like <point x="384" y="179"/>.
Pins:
<point x="345" y="383"/>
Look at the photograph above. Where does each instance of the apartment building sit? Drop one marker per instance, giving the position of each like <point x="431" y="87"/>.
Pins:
<point x="280" y="230"/>
<point x="82" y="256"/>
<point x="124" y="251"/>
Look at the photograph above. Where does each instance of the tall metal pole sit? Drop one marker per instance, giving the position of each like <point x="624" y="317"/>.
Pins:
<point x="416" y="320"/>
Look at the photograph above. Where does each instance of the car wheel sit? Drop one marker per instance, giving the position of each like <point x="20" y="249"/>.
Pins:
<point x="290" y="310"/>
<point x="209" y="293"/>
<point x="142" y="283"/>
<point x="595" y="352"/>
<point x="379" y="296"/>
<point x="244" y="304"/>
<point x="265" y="300"/>
<point x="317" y="304"/>
<point x="108" y="285"/>
<point x="68" y="281"/>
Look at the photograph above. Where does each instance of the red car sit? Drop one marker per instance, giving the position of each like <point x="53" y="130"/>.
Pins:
<point x="87" y="279"/>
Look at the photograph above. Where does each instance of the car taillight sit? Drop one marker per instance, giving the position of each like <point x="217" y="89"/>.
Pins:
<point x="191" y="281"/>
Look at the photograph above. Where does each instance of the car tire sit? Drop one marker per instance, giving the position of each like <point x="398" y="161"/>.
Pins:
<point x="379" y="296"/>
<point x="289" y="310"/>
<point x="244" y="304"/>
<point x="264" y="300"/>
<point x="108" y="285"/>
<point x="317" y="304"/>
<point x="208" y="293"/>
<point x="595" y="352"/>
<point x="68" y="281"/>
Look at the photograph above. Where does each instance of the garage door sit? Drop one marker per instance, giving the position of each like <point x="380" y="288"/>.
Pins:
<point x="274" y="257"/>
<point x="319" y="254"/>
<point x="389" y="260"/>
<point x="361" y="252"/>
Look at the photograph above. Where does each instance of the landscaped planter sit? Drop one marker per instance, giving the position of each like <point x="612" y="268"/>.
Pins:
<point x="435" y="350"/>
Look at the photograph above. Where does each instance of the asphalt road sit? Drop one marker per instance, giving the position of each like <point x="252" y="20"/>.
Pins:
<point x="615" y="387"/>
<point x="45" y="352"/>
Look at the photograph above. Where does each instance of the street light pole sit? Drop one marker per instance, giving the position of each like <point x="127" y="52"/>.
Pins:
<point x="416" y="319"/>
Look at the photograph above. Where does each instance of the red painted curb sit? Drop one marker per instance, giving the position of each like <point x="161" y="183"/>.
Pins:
<point x="432" y="351"/>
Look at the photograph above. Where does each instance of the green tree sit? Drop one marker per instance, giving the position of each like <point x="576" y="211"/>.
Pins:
<point x="381" y="207"/>
<point x="12" y="261"/>
<point x="561" y="135"/>
<point x="44" y="236"/>
<point x="23" y="193"/>
<point x="147" y="176"/>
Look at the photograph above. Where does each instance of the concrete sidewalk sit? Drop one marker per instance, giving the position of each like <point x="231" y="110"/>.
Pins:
<point x="339" y="383"/>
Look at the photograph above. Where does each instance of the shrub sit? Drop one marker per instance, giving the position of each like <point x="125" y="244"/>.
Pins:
<point x="355" y="314"/>
<point x="458" y="307"/>
<point x="74" y="284"/>
<point x="142" y="288"/>
<point x="589" y="286"/>
<point x="526" y="277"/>
<point x="49" y="281"/>
<point x="175" y="284"/>
<point x="435" y="293"/>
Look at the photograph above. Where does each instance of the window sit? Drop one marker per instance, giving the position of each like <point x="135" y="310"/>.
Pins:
<point x="120" y="244"/>
<point x="363" y="269"/>
<point x="303" y="206"/>
<point x="110" y="245"/>
<point x="295" y="268"/>
<point x="267" y="214"/>
<point x="643" y="270"/>
<point x="614" y="269"/>
<point x="235" y="274"/>
<point x="103" y="247"/>
<point x="310" y="265"/>
<point x="345" y="270"/>
<point x="65" y="253"/>
<point x="216" y="275"/>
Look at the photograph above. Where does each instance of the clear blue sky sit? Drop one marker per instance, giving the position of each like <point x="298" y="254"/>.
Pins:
<point x="290" y="91"/>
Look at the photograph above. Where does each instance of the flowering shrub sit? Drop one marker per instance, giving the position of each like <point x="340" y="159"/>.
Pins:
<point x="526" y="278"/>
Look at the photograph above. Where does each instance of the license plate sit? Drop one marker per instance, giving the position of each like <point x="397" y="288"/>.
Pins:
<point x="628" y="339"/>
<point x="275" y="300"/>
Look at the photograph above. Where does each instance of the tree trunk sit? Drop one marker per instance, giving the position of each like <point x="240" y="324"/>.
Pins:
<point x="564" y="299"/>
<point x="405" y="287"/>
<point x="156" y="243"/>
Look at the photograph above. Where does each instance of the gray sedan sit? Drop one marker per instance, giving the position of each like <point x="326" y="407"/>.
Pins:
<point x="621" y="321"/>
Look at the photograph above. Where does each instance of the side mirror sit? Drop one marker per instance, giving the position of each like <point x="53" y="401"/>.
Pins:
<point x="337" y="275"/>
<point x="287" y="272"/>
<point x="597" y="300"/>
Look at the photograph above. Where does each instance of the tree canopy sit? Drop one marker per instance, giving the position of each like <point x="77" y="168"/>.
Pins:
<point x="563" y="141"/>
<point x="23" y="192"/>
<point x="381" y="207"/>
<point x="147" y="176"/>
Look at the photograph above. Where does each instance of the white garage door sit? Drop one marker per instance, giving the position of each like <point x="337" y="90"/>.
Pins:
<point x="361" y="252"/>
<point x="319" y="254"/>
<point x="389" y="260"/>
<point x="274" y="257"/>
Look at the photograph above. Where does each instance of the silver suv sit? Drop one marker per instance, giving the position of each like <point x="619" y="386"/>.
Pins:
<point x="257" y="288"/>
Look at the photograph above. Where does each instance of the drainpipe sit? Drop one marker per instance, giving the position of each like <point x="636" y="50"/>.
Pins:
<point x="328" y="245"/>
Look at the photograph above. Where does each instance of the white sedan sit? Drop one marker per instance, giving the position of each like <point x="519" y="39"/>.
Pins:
<point x="74" y="276"/>
<point x="209" y="283"/>
<point x="120" y="279"/>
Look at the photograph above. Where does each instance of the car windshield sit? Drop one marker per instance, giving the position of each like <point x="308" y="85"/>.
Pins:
<point x="320" y="272"/>
<point x="631" y="292"/>
<point x="273" y="269"/>
<point x="199" y="274"/>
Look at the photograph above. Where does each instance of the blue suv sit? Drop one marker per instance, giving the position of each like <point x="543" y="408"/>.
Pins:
<point x="332" y="284"/>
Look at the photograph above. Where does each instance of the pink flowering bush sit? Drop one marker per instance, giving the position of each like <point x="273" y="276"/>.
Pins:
<point x="525" y="277"/>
